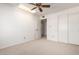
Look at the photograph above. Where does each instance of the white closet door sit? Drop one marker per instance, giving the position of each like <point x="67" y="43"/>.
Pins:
<point x="52" y="27"/>
<point x="62" y="28"/>
<point x="74" y="28"/>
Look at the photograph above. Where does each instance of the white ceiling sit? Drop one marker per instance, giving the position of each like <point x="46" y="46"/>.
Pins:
<point x="55" y="7"/>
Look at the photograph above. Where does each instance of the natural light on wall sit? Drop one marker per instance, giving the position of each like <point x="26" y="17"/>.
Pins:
<point x="21" y="6"/>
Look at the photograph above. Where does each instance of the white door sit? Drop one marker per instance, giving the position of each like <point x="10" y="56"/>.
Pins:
<point x="52" y="28"/>
<point x="62" y="19"/>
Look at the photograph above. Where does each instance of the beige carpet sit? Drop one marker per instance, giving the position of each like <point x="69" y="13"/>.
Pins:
<point x="41" y="47"/>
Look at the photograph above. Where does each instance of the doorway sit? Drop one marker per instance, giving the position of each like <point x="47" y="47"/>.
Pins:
<point x="43" y="28"/>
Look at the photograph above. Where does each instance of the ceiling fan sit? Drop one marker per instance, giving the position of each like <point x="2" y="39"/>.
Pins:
<point x="39" y="6"/>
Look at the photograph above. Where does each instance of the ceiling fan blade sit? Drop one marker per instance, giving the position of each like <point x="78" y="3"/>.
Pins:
<point x="33" y="8"/>
<point x="32" y="3"/>
<point x="46" y="6"/>
<point x="40" y="9"/>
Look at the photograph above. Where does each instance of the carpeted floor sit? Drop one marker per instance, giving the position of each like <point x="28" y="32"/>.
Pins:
<point x="41" y="47"/>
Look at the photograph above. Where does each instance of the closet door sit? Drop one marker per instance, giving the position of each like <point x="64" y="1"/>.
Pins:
<point x="74" y="28"/>
<point x="62" y="33"/>
<point x="52" y="28"/>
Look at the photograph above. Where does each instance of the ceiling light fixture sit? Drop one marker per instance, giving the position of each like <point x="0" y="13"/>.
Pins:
<point x="21" y="6"/>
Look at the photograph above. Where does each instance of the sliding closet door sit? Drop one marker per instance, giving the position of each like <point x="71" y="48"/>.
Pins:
<point x="74" y="28"/>
<point x="62" y="33"/>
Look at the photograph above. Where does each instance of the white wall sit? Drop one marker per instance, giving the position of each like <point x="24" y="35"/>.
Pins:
<point x="74" y="28"/>
<point x="63" y="26"/>
<point x="17" y="26"/>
